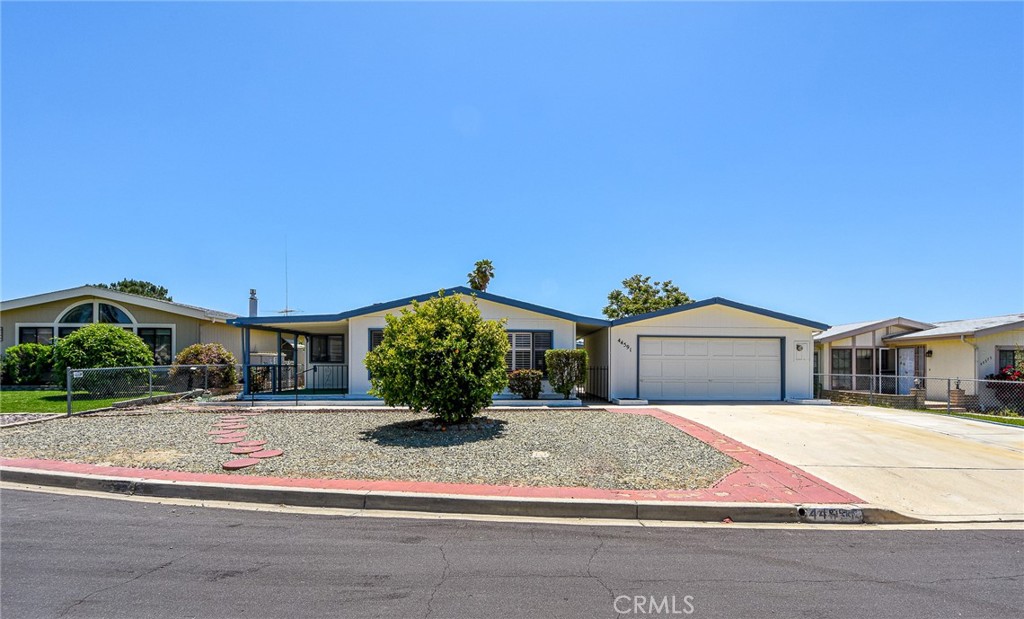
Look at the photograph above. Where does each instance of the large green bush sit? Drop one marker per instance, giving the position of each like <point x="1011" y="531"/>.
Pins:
<point x="208" y="354"/>
<point x="100" y="346"/>
<point x="27" y="364"/>
<point x="567" y="369"/>
<point x="442" y="357"/>
<point x="526" y="383"/>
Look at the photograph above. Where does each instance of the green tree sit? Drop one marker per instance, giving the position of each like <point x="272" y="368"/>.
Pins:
<point x="441" y="357"/>
<point x="100" y="346"/>
<point x="481" y="275"/>
<point x="567" y="369"/>
<point x="641" y="296"/>
<point x="140" y="287"/>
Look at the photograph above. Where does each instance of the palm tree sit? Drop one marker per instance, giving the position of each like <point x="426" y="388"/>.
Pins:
<point x="481" y="275"/>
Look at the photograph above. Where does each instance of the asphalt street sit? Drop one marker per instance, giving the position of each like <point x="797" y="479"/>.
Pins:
<point x="73" y="556"/>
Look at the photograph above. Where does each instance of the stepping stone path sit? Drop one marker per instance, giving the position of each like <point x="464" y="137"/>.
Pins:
<point x="228" y="440"/>
<point x="241" y="463"/>
<point x="238" y="449"/>
<point x="230" y="429"/>
<point x="267" y="453"/>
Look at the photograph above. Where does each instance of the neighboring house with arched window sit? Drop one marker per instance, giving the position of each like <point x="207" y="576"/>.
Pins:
<point x="165" y="326"/>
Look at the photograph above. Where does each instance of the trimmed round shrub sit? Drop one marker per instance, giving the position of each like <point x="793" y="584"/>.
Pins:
<point x="525" y="383"/>
<point x="209" y="354"/>
<point x="100" y="346"/>
<point x="567" y="369"/>
<point x="27" y="364"/>
<point x="442" y="357"/>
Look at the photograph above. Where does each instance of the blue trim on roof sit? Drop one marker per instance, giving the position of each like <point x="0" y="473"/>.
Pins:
<point x="726" y="302"/>
<point x="389" y="305"/>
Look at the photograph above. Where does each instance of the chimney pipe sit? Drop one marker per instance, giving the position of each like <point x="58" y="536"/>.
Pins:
<point x="253" y="303"/>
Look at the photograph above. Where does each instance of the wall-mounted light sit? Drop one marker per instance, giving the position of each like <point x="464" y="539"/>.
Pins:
<point x="928" y="354"/>
<point x="799" y="347"/>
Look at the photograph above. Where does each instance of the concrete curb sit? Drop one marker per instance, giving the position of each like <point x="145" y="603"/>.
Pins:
<point x="461" y="504"/>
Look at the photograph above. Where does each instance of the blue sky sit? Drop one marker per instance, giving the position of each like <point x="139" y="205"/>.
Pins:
<point x="839" y="162"/>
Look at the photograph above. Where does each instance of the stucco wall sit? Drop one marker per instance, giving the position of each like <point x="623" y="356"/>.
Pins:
<point x="564" y="332"/>
<point x="712" y="320"/>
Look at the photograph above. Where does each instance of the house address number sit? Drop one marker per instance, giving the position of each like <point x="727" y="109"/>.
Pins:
<point x="625" y="345"/>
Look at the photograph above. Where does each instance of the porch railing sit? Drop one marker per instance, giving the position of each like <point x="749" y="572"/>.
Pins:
<point x="951" y="394"/>
<point x="273" y="378"/>
<point x="328" y="377"/>
<point x="596" y="385"/>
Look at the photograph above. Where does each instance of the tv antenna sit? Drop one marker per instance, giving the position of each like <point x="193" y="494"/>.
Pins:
<point x="287" y="310"/>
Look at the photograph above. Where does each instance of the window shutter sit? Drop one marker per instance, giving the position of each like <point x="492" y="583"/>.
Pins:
<point x="508" y="355"/>
<point x="541" y="344"/>
<point x="376" y="337"/>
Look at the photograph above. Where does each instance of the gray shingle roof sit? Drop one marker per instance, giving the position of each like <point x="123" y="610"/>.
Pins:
<point x="854" y="328"/>
<point x="954" y="328"/>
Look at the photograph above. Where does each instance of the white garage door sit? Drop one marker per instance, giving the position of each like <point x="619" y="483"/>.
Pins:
<point x="685" y="368"/>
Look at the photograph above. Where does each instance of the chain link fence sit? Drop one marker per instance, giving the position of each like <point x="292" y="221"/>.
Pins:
<point x="1004" y="398"/>
<point x="93" y="388"/>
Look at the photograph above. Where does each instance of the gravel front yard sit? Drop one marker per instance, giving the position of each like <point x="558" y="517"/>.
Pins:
<point x="589" y="448"/>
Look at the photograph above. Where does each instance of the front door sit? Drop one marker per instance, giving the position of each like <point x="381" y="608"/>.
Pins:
<point x="906" y="370"/>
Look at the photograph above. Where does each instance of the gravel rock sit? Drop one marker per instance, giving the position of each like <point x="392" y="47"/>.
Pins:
<point x="9" y="418"/>
<point x="584" y="447"/>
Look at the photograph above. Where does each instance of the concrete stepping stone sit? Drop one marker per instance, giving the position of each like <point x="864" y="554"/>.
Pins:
<point x="213" y="432"/>
<point x="252" y="443"/>
<point x="239" y="449"/>
<point x="232" y="418"/>
<point x="236" y="426"/>
<point x="267" y="453"/>
<point x="225" y="440"/>
<point x="240" y="463"/>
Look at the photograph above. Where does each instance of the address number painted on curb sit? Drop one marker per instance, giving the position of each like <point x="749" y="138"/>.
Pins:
<point x="834" y="515"/>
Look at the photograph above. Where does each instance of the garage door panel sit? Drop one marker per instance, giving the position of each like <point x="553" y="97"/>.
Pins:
<point x="747" y="348"/>
<point x="652" y="348"/>
<point x="710" y="369"/>
<point x="696" y="348"/>
<point x="673" y="348"/>
<point x="673" y="369"/>
<point x="650" y="368"/>
<point x="768" y="369"/>
<point x="696" y="368"/>
<point x="745" y="368"/>
<point x="720" y="348"/>
<point x="720" y="368"/>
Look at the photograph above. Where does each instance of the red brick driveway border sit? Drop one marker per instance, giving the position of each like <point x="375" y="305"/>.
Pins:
<point x="760" y="479"/>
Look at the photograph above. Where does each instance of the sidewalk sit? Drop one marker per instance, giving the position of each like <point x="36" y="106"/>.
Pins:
<point x="923" y="465"/>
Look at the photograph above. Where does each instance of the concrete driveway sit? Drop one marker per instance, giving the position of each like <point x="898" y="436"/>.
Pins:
<point x="919" y="464"/>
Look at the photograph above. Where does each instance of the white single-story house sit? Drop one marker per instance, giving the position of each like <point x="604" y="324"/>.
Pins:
<point x="889" y="354"/>
<point x="167" y="327"/>
<point x="710" y="350"/>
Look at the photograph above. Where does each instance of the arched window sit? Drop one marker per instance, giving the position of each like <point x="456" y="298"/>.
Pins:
<point x="112" y="314"/>
<point x="78" y="314"/>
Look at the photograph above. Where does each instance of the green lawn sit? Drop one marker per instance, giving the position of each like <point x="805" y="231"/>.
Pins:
<point x="1015" y="421"/>
<point x="52" y="401"/>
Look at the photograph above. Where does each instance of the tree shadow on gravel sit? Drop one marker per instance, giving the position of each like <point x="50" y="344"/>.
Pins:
<point x="412" y="434"/>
